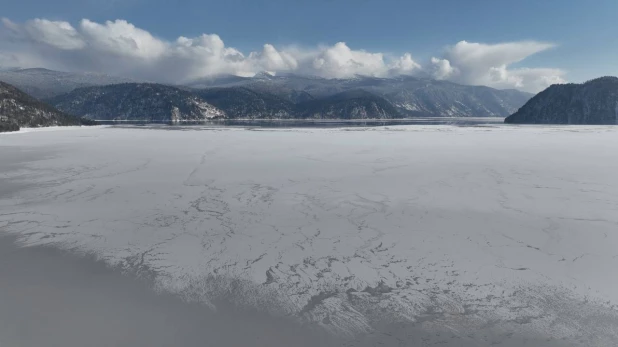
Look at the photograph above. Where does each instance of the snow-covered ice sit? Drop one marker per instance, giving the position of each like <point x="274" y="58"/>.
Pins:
<point x="444" y="228"/>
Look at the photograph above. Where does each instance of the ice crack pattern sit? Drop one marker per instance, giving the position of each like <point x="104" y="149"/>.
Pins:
<point x="450" y="229"/>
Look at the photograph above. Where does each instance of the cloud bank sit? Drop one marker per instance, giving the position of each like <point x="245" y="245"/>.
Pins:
<point x="120" y="48"/>
<point x="483" y="64"/>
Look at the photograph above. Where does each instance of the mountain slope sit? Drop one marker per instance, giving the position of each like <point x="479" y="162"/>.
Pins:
<point x="440" y="98"/>
<point x="243" y="103"/>
<point x="43" y="83"/>
<point x="136" y="101"/>
<point x="593" y="102"/>
<point x="352" y="104"/>
<point x="18" y="109"/>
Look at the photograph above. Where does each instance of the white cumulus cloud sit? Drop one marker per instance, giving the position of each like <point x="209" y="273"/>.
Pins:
<point x="119" y="47"/>
<point x="122" y="38"/>
<point x="57" y="34"/>
<point x="339" y="61"/>
<point x="441" y="69"/>
<point x="273" y="60"/>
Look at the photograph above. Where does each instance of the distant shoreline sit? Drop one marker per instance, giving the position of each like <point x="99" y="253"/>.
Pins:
<point x="24" y="130"/>
<point x="220" y="120"/>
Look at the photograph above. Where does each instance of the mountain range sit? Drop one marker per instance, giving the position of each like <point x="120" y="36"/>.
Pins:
<point x="593" y="102"/>
<point x="287" y="96"/>
<point x="263" y="96"/>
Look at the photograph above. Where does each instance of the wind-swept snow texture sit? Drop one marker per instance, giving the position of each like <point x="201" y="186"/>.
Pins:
<point x="444" y="229"/>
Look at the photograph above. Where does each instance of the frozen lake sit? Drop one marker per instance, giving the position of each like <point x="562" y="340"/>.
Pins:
<point x="481" y="235"/>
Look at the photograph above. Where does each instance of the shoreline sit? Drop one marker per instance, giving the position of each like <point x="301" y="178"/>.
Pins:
<point x="26" y="130"/>
<point x="297" y="119"/>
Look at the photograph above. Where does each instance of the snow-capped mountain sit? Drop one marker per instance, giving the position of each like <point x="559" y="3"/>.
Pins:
<point x="18" y="109"/>
<point x="136" y="101"/>
<point x="593" y="102"/>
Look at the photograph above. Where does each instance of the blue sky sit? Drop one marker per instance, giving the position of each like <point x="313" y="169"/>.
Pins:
<point x="585" y="35"/>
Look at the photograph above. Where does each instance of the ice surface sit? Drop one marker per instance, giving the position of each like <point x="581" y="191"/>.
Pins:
<point x="448" y="228"/>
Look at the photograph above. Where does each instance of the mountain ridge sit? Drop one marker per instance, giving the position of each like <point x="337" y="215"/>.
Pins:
<point x="44" y="83"/>
<point x="18" y="109"/>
